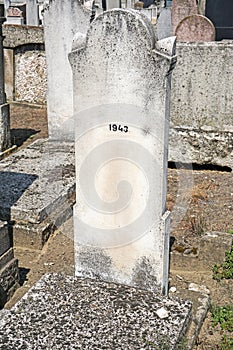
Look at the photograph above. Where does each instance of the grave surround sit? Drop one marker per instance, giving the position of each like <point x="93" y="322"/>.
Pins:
<point x="9" y="274"/>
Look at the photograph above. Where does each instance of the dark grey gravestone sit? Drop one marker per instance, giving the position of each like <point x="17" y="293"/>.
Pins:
<point x="64" y="312"/>
<point x="220" y="12"/>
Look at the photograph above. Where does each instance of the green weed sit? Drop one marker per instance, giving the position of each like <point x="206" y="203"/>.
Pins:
<point x="223" y="315"/>
<point x="225" y="270"/>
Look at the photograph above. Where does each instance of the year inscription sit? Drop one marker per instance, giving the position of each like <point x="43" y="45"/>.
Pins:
<point x="118" y="127"/>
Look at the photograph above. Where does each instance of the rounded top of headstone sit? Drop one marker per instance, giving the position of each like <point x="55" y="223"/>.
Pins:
<point x="115" y="20"/>
<point x="195" y="28"/>
<point x="182" y="9"/>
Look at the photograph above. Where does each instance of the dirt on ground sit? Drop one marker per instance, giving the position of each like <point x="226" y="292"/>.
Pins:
<point x="200" y="200"/>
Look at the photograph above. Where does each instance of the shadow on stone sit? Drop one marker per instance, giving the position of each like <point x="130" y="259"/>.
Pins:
<point x="12" y="186"/>
<point x="23" y="275"/>
<point x="19" y="136"/>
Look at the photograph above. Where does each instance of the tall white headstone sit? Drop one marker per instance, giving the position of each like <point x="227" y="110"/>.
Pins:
<point x="62" y="19"/>
<point x="32" y="13"/>
<point x="121" y="81"/>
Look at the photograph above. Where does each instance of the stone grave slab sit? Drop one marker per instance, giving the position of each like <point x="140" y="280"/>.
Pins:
<point x="72" y="313"/>
<point x="37" y="190"/>
<point x="195" y="28"/>
<point x="182" y="9"/>
<point x="121" y="226"/>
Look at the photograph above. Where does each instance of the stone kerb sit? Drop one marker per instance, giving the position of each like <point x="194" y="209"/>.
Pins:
<point x="181" y="9"/>
<point x="9" y="274"/>
<point x="62" y="19"/>
<point x="121" y="88"/>
<point x="195" y="28"/>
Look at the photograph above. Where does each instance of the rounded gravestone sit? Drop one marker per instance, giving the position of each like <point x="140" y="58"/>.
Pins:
<point x="195" y="28"/>
<point x="182" y="9"/>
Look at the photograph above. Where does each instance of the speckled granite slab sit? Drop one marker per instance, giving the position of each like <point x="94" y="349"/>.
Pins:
<point x="37" y="183"/>
<point x="65" y="312"/>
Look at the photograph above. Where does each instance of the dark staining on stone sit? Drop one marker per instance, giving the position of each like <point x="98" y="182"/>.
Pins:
<point x="93" y="259"/>
<point x="143" y="274"/>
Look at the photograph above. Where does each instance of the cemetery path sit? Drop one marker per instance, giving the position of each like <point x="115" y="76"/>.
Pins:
<point x="206" y="200"/>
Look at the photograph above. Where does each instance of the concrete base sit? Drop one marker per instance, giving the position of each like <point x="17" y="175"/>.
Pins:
<point x="67" y="312"/>
<point x="37" y="190"/>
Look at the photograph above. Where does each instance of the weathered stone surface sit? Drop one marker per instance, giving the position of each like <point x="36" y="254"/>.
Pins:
<point x="121" y="227"/>
<point x="16" y="36"/>
<point x="9" y="72"/>
<point x="6" y="257"/>
<point x="74" y="17"/>
<point x="30" y="83"/>
<point x="4" y="238"/>
<point x="200" y="146"/>
<point x="37" y="189"/>
<point x="9" y="278"/>
<point x="4" y="127"/>
<point x="195" y="28"/>
<point x="74" y="313"/>
<point x="182" y="9"/>
<point x="202" y="104"/>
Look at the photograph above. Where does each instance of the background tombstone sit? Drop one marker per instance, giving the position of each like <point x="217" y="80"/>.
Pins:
<point x="62" y="19"/>
<point x="4" y="107"/>
<point x="181" y="9"/>
<point x="221" y="14"/>
<point x="121" y="79"/>
<point x="164" y="25"/>
<point x="32" y="13"/>
<point x="195" y="28"/>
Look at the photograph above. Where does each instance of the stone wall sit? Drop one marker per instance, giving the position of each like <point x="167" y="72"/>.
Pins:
<point x="202" y="104"/>
<point x="16" y="35"/>
<point x="25" y="64"/>
<point x="30" y="74"/>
